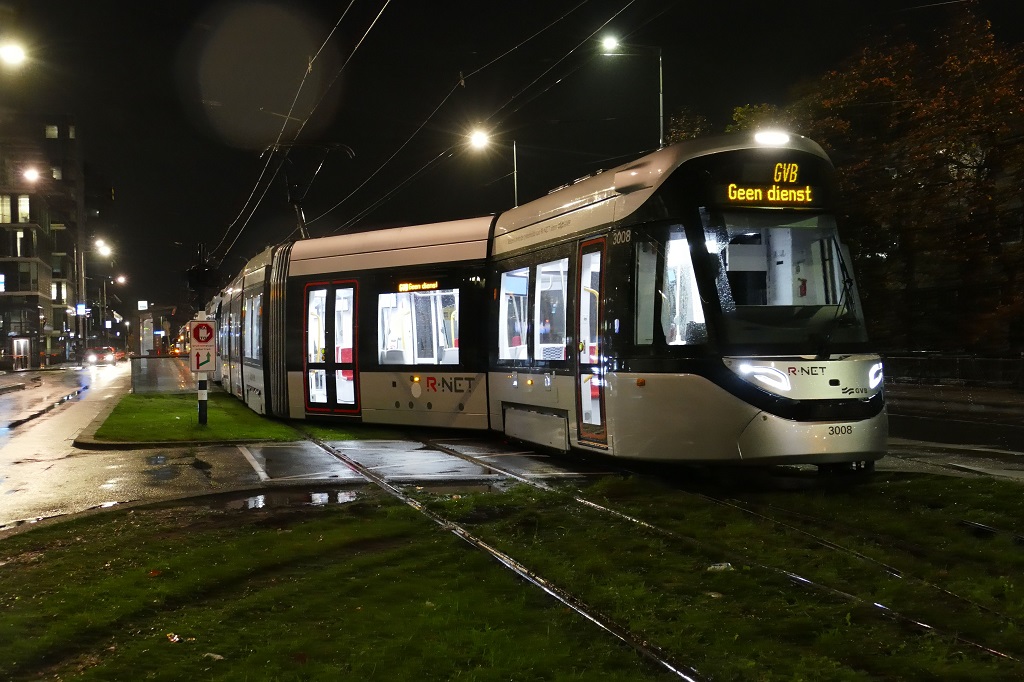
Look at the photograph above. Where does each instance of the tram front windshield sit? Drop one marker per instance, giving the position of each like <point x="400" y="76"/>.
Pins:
<point x="782" y="278"/>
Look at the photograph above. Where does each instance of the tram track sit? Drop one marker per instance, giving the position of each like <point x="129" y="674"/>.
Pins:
<point x="760" y="512"/>
<point x="622" y="632"/>
<point x="799" y="579"/>
<point x="793" y="575"/>
<point x="689" y="544"/>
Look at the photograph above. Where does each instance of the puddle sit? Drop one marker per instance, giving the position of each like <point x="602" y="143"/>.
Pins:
<point x="156" y="460"/>
<point x="163" y="473"/>
<point x="280" y="499"/>
<point x="448" y="489"/>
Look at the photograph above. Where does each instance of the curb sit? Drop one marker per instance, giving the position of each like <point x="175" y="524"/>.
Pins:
<point x="12" y="387"/>
<point x="89" y="443"/>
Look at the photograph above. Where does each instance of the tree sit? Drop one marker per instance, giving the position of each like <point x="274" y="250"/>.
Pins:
<point x="928" y="144"/>
<point x="686" y="124"/>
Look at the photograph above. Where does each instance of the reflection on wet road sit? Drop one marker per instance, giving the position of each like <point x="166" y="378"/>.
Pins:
<point x="26" y="395"/>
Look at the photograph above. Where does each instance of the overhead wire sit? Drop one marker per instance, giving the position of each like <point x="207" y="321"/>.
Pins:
<point x="461" y="82"/>
<point x="270" y="157"/>
<point x="347" y="224"/>
<point x="288" y="117"/>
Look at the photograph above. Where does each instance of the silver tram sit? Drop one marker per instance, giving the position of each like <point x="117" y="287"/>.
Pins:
<point x="693" y="305"/>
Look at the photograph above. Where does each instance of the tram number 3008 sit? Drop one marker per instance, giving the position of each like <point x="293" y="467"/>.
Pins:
<point x="621" y="236"/>
<point x="840" y="430"/>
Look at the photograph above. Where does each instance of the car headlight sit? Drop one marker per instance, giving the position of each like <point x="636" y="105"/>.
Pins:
<point x="108" y="357"/>
<point x="90" y="358"/>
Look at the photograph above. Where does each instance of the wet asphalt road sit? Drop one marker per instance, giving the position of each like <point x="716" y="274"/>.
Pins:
<point x="43" y="475"/>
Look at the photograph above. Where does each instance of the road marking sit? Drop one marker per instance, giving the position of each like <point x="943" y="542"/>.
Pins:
<point x="255" y="465"/>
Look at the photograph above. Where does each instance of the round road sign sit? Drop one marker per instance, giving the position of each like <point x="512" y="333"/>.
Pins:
<point x="202" y="332"/>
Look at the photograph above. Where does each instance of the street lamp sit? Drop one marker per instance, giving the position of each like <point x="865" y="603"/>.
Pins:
<point x="12" y="54"/>
<point x="611" y="47"/>
<point x="479" y="139"/>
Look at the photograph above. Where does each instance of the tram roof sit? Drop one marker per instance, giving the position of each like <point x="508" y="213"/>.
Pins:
<point x="454" y="240"/>
<point x="615" y="193"/>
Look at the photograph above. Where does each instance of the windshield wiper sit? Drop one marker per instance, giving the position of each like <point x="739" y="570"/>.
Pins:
<point x="842" y="308"/>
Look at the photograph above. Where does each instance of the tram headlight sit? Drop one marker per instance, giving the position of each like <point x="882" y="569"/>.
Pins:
<point x="771" y="138"/>
<point x="770" y="376"/>
<point x="875" y="375"/>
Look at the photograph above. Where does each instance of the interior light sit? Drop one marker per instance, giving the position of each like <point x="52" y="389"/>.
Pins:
<point x="772" y="138"/>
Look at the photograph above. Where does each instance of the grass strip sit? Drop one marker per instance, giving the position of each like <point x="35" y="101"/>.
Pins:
<point x="731" y="622"/>
<point x="175" y="418"/>
<point x="369" y="590"/>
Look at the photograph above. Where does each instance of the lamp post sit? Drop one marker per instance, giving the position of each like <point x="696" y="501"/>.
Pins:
<point x="105" y="250"/>
<point x="611" y="46"/>
<point x="479" y="139"/>
<point x="120" y="279"/>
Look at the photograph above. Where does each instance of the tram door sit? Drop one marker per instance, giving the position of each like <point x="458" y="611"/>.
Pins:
<point x="331" y="374"/>
<point x="589" y="367"/>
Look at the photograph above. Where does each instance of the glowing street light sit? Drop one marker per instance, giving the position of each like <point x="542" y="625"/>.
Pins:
<point x="103" y="248"/>
<point x="611" y="47"/>
<point x="479" y="139"/>
<point x="12" y="54"/>
<point x="31" y="174"/>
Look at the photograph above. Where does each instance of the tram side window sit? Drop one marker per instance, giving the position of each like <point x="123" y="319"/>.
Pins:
<point x="646" y="283"/>
<point x="252" y="315"/>
<point x="316" y="327"/>
<point x="316" y="343"/>
<point x="549" y="311"/>
<point x="513" y="314"/>
<point x="418" y="327"/>
<point x="682" y="315"/>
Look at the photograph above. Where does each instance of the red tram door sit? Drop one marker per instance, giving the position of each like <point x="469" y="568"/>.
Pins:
<point x="590" y="412"/>
<point x="331" y="381"/>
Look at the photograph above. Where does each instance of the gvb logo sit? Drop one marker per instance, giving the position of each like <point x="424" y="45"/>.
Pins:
<point x="850" y="390"/>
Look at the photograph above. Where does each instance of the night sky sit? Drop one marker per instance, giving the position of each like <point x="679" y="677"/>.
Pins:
<point x="177" y="102"/>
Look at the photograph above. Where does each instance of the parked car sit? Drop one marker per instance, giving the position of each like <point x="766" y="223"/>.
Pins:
<point x="101" y="355"/>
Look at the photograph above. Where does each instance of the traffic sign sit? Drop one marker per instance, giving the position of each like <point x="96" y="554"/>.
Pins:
<point x="203" y="353"/>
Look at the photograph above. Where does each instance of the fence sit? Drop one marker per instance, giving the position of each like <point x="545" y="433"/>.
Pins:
<point x="163" y="374"/>
<point x="965" y="370"/>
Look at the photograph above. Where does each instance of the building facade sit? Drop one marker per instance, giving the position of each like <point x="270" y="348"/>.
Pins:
<point x="42" y="189"/>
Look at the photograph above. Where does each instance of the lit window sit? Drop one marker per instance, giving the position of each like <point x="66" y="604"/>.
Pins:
<point x="682" y="315"/>
<point x="3" y="282"/>
<point x="71" y="132"/>
<point x="52" y="132"/>
<point x="23" y="209"/>
<point x="513" y="315"/>
<point x="58" y="174"/>
<point x="5" y="209"/>
<point x="252" y="314"/>
<point x="418" y="328"/>
<point x="549" y="310"/>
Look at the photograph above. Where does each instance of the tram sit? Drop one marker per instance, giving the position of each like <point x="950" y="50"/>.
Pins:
<point x="695" y="304"/>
